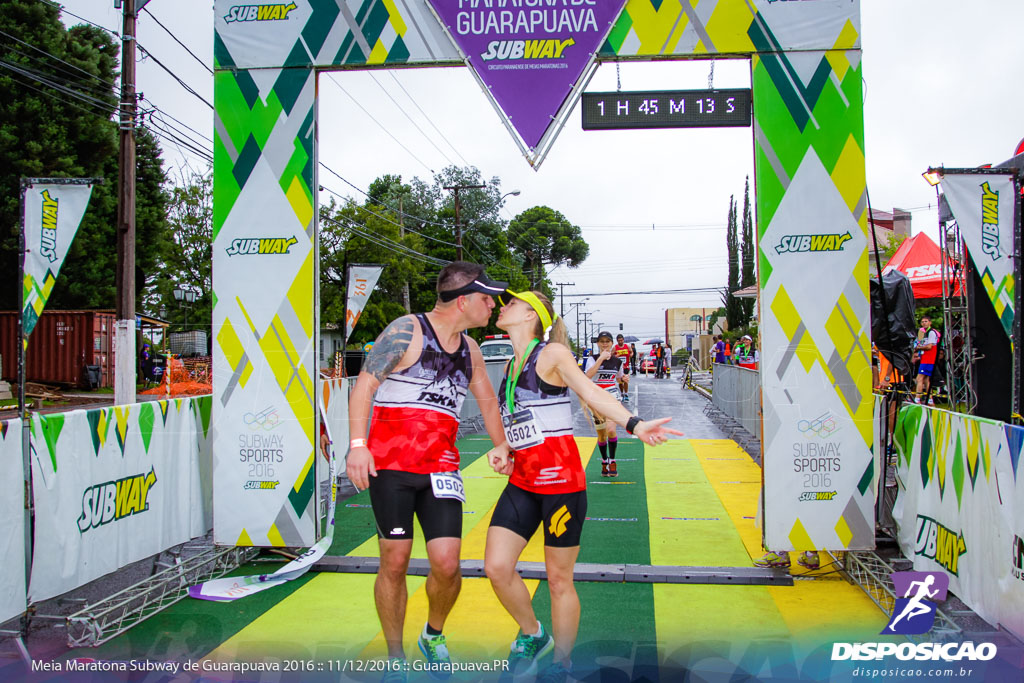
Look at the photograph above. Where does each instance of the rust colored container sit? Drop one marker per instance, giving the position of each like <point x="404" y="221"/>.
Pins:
<point x="61" y="345"/>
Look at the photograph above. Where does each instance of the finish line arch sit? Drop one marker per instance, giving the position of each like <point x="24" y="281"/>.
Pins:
<point x="810" y="193"/>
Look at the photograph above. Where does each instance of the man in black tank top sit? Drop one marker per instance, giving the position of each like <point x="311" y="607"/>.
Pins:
<point x="430" y="354"/>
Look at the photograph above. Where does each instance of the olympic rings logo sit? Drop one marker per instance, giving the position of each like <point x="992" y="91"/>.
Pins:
<point x="266" y="419"/>
<point x="823" y="426"/>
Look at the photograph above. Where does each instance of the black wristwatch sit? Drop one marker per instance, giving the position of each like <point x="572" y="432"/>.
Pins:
<point x="632" y="423"/>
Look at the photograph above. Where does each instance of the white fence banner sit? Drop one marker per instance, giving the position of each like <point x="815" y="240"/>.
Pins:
<point x="113" y="486"/>
<point x="12" y="522"/>
<point x="959" y="508"/>
<point x="362" y="278"/>
<point x="983" y="207"/>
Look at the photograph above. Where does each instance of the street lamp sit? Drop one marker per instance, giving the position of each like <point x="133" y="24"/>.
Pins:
<point x="185" y="296"/>
<point x="513" y="193"/>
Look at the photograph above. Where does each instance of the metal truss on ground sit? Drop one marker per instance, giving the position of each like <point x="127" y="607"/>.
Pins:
<point x="112" y="616"/>
<point x="735" y="431"/>
<point x="959" y="352"/>
<point x="873" y="575"/>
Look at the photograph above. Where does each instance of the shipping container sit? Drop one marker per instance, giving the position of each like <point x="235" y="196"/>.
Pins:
<point x="62" y="344"/>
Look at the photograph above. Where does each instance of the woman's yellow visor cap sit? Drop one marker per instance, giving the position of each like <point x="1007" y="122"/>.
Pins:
<point x="535" y="304"/>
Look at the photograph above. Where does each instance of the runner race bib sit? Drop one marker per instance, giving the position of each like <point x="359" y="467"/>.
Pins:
<point x="614" y="391"/>
<point x="448" y="485"/>
<point x="522" y="430"/>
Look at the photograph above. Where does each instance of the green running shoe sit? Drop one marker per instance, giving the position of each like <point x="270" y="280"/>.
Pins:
<point x="435" y="650"/>
<point x="526" y="651"/>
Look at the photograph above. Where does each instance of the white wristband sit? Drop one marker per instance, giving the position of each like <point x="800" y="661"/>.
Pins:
<point x="357" y="443"/>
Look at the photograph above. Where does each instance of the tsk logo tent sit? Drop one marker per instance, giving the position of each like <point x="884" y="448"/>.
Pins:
<point x="921" y="260"/>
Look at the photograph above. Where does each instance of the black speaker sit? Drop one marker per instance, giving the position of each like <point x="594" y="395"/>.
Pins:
<point x="993" y="370"/>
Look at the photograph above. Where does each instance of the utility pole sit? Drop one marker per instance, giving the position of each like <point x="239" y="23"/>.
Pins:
<point x="124" y="331"/>
<point x="561" y="294"/>
<point x="458" y="228"/>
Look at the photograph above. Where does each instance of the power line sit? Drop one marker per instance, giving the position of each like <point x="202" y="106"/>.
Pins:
<point x="416" y="104"/>
<point x="183" y="84"/>
<point x="331" y="76"/>
<point x="427" y="137"/>
<point x="201" y="62"/>
<point x="71" y="14"/>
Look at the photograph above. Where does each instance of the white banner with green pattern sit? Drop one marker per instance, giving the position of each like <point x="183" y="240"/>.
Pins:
<point x="112" y="486"/>
<point x="960" y="507"/>
<point x="983" y="207"/>
<point x="12" y="522"/>
<point x="812" y="218"/>
<point x="53" y="213"/>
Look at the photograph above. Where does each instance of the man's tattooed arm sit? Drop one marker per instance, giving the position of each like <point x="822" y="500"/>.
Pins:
<point x="386" y="353"/>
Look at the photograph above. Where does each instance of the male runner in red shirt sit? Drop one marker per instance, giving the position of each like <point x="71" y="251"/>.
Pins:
<point x="417" y="375"/>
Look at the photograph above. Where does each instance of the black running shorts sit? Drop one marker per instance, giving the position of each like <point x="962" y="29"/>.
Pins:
<point x="396" y="495"/>
<point x="561" y="514"/>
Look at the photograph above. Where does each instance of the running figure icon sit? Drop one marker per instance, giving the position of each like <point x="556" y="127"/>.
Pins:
<point x="914" y="612"/>
<point x="915" y="607"/>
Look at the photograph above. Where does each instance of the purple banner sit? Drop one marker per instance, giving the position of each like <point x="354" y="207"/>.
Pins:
<point x="529" y="53"/>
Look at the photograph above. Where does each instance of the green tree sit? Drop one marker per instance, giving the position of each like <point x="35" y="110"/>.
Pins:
<point x="543" y="236"/>
<point x="733" y="308"/>
<point x="59" y="97"/>
<point x="365" y="234"/>
<point x="188" y="252"/>
<point x="748" y="252"/>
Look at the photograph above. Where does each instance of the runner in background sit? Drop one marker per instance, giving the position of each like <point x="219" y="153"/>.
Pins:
<point x="605" y="369"/>
<point x="417" y="375"/>
<point x="547" y="484"/>
<point x="621" y="350"/>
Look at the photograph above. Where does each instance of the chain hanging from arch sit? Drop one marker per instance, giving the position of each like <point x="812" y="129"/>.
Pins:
<point x="711" y="76"/>
<point x="618" y="78"/>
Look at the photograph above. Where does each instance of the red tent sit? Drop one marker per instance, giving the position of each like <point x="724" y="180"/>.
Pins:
<point x="920" y="259"/>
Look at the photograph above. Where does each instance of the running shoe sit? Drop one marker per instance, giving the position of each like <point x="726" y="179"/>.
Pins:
<point x="772" y="560"/>
<point x="435" y="650"/>
<point x="809" y="559"/>
<point x="604" y="468"/>
<point x="931" y="401"/>
<point x="397" y="671"/>
<point x="556" y="673"/>
<point x="526" y="651"/>
<point x="613" y="469"/>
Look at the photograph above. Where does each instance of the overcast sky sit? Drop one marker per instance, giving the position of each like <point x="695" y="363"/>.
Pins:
<point x="942" y="86"/>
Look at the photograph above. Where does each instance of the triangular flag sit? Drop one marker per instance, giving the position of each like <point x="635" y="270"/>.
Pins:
<point x="529" y="56"/>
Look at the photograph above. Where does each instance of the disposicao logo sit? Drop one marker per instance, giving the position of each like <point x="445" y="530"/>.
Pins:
<point x="792" y="244"/>
<point x="48" y="241"/>
<point x="114" y="500"/>
<point x="259" y="12"/>
<point x="261" y="245"/>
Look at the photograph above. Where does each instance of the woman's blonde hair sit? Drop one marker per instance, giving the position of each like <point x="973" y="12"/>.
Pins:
<point x="558" y="331"/>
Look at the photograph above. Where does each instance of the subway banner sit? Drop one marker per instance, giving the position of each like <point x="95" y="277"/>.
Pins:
<point x="53" y="212"/>
<point x="12" y="522"/>
<point x="960" y="508"/>
<point x="983" y="205"/>
<point x="808" y="138"/>
<point x="112" y="486"/>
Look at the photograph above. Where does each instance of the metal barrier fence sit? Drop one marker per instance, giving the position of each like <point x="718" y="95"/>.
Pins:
<point x="736" y="392"/>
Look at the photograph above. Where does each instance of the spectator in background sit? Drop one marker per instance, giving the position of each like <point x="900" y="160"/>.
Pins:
<point x="928" y="348"/>
<point x="719" y="349"/>
<point x="659" y="361"/>
<point x="727" y="352"/>
<point x="632" y="357"/>
<point x="667" y="365"/>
